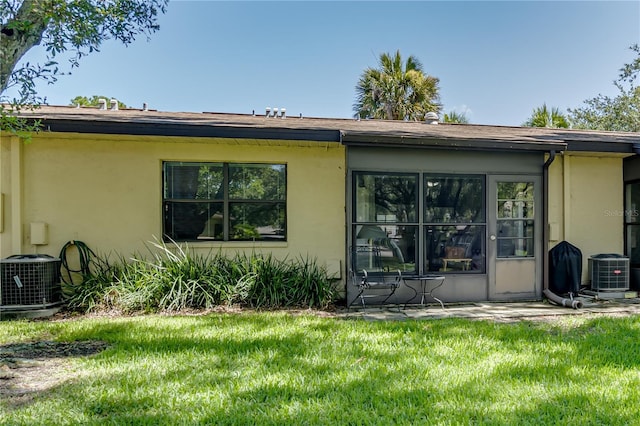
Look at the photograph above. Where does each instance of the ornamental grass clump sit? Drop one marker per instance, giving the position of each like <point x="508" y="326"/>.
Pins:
<point x="280" y="283"/>
<point x="174" y="278"/>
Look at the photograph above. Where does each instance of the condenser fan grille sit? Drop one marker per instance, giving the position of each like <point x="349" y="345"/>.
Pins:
<point x="609" y="273"/>
<point x="30" y="280"/>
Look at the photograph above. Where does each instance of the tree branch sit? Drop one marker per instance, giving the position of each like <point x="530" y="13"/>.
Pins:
<point x="20" y="34"/>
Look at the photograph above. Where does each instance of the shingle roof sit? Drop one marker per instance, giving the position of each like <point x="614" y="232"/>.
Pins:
<point x="347" y="131"/>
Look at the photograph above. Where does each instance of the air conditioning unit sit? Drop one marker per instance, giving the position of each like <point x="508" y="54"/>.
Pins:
<point x="609" y="272"/>
<point x="30" y="281"/>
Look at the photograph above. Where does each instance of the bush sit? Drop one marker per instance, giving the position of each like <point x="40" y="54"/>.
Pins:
<point x="173" y="279"/>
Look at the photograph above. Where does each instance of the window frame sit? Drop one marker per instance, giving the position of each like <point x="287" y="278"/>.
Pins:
<point x="226" y="201"/>
<point x="631" y="218"/>
<point x="419" y="225"/>
<point x="472" y="266"/>
<point x="398" y="224"/>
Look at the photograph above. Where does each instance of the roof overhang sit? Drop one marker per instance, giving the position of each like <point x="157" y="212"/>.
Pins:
<point x="365" y="133"/>
<point x="139" y="128"/>
<point x="379" y="140"/>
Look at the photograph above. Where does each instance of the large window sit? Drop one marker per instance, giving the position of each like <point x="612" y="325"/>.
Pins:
<point x="455" y="224"/>
<point x="224" y="201"/>
<point x="418" y="222"/>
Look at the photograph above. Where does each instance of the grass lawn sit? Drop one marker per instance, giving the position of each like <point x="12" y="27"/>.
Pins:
<point x="283" y="368"/>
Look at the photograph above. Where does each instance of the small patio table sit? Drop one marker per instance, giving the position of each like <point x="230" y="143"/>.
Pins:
<point x="425" y="288"/>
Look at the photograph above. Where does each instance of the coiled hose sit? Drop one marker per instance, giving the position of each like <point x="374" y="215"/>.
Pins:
<point x="84" y="255"/>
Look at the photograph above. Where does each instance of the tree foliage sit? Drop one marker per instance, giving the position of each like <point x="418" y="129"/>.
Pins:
<point x="71" y="27"/>
<point x="547" y="117"/>
<point x="396" y="90"/>
<point x="456" y="117"/>
<point x="619" y="113"/>
<point x="92" y="101"/>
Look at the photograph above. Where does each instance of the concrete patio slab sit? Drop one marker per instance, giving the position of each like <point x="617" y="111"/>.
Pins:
<point x="498" y="311"/>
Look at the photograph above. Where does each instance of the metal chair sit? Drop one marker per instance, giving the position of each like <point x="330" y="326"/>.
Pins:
<point x="383" y="286"/>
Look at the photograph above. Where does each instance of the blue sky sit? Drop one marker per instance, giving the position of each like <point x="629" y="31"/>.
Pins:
<point x="496" y="61"/>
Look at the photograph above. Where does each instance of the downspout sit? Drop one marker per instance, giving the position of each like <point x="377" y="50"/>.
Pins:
<point x="545" y="219"/>
<point x="575" y="304"/>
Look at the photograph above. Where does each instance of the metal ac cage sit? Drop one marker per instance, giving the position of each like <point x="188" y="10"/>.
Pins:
<point x="30" y="281"/>
<point x="609" y="272"/>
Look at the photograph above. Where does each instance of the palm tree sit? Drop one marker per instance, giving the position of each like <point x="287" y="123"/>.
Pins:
<point x="92" y="101"/>
<point x="545" y="117"/>
<point x="456" y="117"/>
<point x="396" y="91"/>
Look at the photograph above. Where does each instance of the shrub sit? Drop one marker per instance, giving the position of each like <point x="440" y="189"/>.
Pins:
<point x="174" y="278"/>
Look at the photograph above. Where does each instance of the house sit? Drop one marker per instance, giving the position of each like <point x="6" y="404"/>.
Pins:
<point x="478" y="204"/>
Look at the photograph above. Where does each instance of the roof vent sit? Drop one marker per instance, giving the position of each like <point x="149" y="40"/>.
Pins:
<point x="267" y="111"/>
<point x="283" y="112"/>
<point x="114" y="105"/>
<point x="102" y="104"/>
<point x="431" y="118"/>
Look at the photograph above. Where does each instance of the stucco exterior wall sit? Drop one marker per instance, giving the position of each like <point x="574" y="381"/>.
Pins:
<point x="107" y="192"/>
<point x="586" y="204"/>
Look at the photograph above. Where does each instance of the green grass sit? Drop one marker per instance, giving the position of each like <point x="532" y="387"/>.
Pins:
<point x="275" y="368"/>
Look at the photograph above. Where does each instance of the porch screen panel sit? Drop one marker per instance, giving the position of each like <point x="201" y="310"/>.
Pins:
<point x="384" y="229"/>
<point x="455" y="223"/>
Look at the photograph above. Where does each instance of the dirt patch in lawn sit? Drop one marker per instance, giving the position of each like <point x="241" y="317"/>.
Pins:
<point x="30" y="368"/>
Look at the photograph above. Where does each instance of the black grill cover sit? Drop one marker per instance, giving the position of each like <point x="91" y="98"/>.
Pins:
<point x="565" y="268"/>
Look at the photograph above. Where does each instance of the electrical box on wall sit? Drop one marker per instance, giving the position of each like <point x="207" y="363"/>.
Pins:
<point x="39" y="234"/>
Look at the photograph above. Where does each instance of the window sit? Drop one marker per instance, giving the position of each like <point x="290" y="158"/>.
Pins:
<point x="632" y="222"/>
<point x="384" y="225"/>
<point x="418" y="222"/>
<point x="454" y="219"/>
<point x="224" y="201"/>
<point x="515" y="219"/>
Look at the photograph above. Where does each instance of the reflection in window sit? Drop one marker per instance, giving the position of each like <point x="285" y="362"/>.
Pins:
<point x="453" y="199"/>
<point x="223" y="201"/>
<point x="385" y="197"/>
<point x="384" y="234"/>
<point x="515" y="219"/>
<point x="385" y="248"/>
<point x="458" y="202"/>
<point x="458" y="248"/>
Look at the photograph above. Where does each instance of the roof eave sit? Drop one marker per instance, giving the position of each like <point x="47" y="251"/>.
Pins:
<point x="378" y="140"/>
<point x="192" y="130"/>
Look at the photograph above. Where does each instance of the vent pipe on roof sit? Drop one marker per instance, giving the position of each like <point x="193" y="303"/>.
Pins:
<point x="114" y="105"/>
<point x="431" y="118"/>
<point x="267" y="111"/>
<point x="283" y="112"/>
<point x="102" y="104"/>
<point x="275" y="112"/>
<point x="145" y="107"/>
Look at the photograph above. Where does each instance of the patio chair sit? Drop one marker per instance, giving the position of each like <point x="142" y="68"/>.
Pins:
<point x="376" y="285"/>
